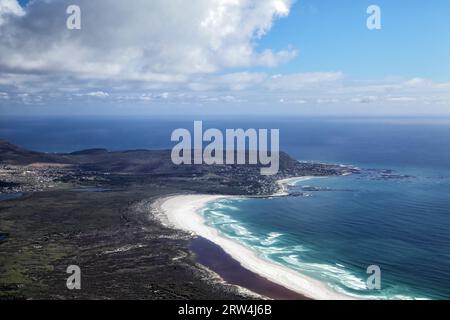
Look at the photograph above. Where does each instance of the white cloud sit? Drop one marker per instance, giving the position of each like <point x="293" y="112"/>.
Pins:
<point x="98" y="94"/>
<point x="139" y="40"/>
<point x="293" y="101"/>
<point x="402" y="99"/>
<point x="9" y="8"/>
<point x="241" y="81"/>
<point x="300" y="81"/>
<point x="4" y="96"/>
<point x="327" y="100"/>
<point x="29" y="99"/>
<point x="364" y="99"/>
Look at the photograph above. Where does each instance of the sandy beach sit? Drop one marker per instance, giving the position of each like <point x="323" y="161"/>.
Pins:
<point x="182" y="212"/>
<point x="285" y="183"/>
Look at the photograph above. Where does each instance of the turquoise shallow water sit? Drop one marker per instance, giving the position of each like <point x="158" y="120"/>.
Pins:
<point x="398" y="220"/>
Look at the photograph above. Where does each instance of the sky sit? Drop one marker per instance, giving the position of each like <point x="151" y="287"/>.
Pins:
<point x="282" y="57"/>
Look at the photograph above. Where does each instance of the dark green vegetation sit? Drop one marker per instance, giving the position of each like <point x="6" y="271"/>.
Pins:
<point x="93" y="209"/>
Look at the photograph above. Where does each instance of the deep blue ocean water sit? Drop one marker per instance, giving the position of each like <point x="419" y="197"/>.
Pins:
<point x="398" y="220"/>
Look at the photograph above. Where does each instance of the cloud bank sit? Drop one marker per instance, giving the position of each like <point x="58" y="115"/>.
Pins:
<point x="159" y="52"/>
<point x="138" y="40"/>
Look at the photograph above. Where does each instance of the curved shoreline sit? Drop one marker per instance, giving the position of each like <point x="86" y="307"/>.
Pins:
<point x="285" y="183"/>
<point x="181" y="212"/>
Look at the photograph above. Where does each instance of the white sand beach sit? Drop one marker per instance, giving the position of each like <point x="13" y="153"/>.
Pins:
<point x="285" y="183"/>
<point x="183" y="212"/>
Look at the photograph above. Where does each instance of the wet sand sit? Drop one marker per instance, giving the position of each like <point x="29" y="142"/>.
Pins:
<point x="231" y="271"/>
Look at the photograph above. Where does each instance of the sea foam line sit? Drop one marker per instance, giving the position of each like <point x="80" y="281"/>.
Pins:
<point x="182" y="212"/>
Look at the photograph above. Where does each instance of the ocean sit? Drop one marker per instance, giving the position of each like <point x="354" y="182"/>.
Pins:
<point x="395" y="214"/>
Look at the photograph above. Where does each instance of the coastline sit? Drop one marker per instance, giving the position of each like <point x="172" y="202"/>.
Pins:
<point x="181" y="212"/>
<point x="285" y="183"/>
<point x="231" y="272"/>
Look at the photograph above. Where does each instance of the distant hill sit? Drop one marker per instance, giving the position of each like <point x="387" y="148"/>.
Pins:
<point x="156" y="162"/>
<point x="89" y="152"/>
<point x="12" y="154"/>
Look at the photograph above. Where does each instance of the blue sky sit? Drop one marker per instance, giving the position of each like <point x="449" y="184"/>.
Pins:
<point x="172" y="56"/>
<point x="332" y="35"/>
